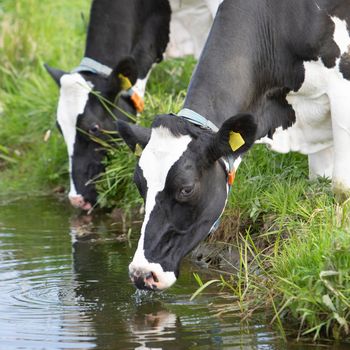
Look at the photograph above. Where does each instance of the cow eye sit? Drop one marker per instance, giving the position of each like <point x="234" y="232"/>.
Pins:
<point x="187" y="191"/>
<point x="94" y="129"/>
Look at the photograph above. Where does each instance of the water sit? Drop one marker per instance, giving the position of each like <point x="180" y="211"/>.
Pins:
<point x="56" y="294"/>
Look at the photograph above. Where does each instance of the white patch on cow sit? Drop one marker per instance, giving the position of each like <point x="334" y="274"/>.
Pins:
<point x="74" y="93"/>
<point x="140" y="85"/>
<point x="322" y="128"/>
<point x="312" y="131"/>
<point x="160" y="154"/>
<point x="237" y="163"/>
<point x="339" y="96"/>
<point x="341" y="35"/>
<point x="190" y="23"/>
<point x="321" y="164"/>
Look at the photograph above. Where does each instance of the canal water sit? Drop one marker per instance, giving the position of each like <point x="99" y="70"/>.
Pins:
<point x="64" y="285"/>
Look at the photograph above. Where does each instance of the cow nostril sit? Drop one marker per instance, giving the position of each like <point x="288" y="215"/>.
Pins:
<point x="148" y="275"/>
<point x="155" y="279"/>
<point x="151" y="275"/>
<point x="139" y="282"/>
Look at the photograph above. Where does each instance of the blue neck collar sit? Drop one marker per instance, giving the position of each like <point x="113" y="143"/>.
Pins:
<point x="197" y="119"/>
<point x="90" y="65"/>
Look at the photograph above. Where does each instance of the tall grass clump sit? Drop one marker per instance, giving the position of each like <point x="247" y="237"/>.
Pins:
<point x="312" y="273"/>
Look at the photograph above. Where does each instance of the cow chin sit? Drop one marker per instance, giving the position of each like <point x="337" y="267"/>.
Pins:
<point x="150" y="276"/>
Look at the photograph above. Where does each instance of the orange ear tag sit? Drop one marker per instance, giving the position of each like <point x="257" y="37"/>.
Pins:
<point x="137" y="101"/>
<point x="231" y="177"/>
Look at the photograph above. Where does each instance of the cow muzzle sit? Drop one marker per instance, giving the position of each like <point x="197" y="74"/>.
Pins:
<point x="151" y="278"/>
<point x="78" y="201"/>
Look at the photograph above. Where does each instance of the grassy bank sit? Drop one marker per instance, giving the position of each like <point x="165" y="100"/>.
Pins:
<point x="293" y="239"/>
<point x="293" y="242"/>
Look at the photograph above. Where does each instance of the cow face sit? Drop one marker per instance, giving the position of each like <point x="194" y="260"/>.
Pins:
<point x="83" y="122"/>
<point x="183" y="180"/>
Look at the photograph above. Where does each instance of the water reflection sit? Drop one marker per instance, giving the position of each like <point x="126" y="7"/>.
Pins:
<point x="64" y="285"/>
<point x="153" y="327"/>
<point x="130" y="319"/>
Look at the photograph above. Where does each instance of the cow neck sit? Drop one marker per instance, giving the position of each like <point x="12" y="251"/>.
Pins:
<point x="110" y="34"/>
<point x="221" y="83"/>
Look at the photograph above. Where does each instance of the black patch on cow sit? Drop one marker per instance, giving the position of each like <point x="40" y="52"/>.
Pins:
<point x="56" y="74"/>
<point x="140" y="181"/>
<point x="133" y="134"/>
<point x="338" y="8"/>
<point x="133" y="27"/>
<point x="344" y="65"/>
<point x="275" y="111"/>
<point x="85" y="170"/>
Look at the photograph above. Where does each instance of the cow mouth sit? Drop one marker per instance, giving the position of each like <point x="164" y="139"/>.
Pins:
<point x="80" y="203"/>
<point x="87" y="206"/>
<point x="148" y="281"/>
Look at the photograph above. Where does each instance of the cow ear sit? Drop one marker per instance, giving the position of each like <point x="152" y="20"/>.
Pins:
<point x="124" y="75"/>
<point x="135" y="136"/>
<point x="235" y="137"/>
<point x="56" y="74"/>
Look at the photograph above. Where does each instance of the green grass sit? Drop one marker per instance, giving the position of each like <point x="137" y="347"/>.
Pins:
<point x="33" y="32"/>
<point x="293" y="239"/>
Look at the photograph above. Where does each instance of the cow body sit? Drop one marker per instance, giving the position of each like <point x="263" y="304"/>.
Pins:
<point x="285" y="66"/>
<point x="117" y="30"/>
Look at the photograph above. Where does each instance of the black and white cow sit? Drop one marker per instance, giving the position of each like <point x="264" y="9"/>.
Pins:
<point x="125" y="38"/>
<point x="267" y="64"/>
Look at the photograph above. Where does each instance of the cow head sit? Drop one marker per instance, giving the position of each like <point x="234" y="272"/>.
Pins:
<point x="82" y="119"/>
<point x="182" y="178"/>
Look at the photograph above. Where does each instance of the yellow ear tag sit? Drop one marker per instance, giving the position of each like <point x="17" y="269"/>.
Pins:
<point x="138" y="150"/>
<point x="236" y="141"/>
<point x="124" y="82"/>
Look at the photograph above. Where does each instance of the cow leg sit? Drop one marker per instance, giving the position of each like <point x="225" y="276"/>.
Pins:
<point x="321" y="164"/>
<point x="340" y="110"/>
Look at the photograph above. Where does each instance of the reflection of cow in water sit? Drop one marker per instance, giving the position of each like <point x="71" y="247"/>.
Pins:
<point x="115" y="319"/>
